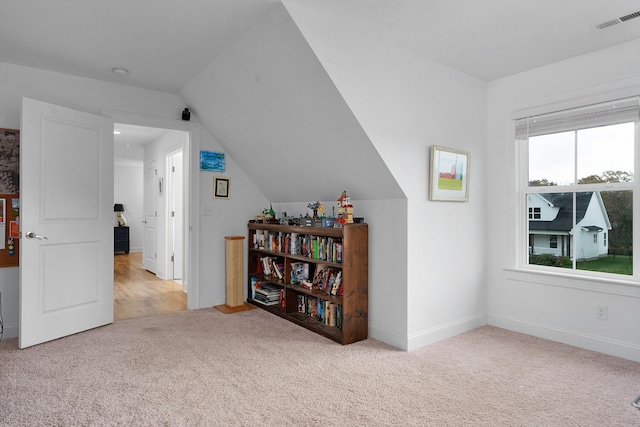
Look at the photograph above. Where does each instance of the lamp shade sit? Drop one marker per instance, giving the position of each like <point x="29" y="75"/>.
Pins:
<point x="118" y="207"/>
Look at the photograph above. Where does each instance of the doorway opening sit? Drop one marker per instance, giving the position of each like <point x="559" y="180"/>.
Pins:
<point x="149" y="169"/>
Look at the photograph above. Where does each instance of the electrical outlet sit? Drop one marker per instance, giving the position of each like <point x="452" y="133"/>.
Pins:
<point x="602" y="312"/>
<point x="207" y="210"/>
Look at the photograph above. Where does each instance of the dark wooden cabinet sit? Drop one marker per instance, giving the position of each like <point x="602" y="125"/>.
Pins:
<point x="121" y="239"/>
<point x="343" y="250"/>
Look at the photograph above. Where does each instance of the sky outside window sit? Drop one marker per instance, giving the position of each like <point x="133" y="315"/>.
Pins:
<point x="600" y="149"/>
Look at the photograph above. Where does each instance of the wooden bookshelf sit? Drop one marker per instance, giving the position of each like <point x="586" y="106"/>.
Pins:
<point x="345" y="250"/>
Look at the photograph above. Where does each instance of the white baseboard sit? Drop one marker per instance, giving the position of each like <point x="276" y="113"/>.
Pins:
<point x="445" y="331"/>
<point x="393" y="339"/>
<point x="577" y="339"/>
<point x="10" y="331"/>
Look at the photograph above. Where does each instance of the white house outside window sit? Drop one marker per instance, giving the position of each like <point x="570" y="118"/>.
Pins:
<point x="578" y="183"/>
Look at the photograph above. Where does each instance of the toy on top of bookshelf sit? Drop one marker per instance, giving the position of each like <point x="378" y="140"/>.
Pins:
<point x="345" y="210"/>
<point x="269" y="213"/>
<point x="316" y="207"/>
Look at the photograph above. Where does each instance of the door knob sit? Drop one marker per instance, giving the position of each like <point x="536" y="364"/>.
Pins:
<point x="33" y="235"/>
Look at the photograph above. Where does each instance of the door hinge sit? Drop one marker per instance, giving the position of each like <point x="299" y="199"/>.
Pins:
<point x="173" y="214"/>
<point x="173" y="168"/>
<point x="171" y="258"/>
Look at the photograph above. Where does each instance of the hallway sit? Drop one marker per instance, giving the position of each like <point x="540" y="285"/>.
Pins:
<point x="139" y="293"/>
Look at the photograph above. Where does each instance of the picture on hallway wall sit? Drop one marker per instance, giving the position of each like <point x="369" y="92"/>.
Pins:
<point x="221" y="187"/>
<point x="449" y="176"/>
<point x="211" y="161"/>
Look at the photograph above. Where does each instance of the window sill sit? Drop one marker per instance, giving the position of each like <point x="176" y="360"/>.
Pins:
<point x="582" y="282"/>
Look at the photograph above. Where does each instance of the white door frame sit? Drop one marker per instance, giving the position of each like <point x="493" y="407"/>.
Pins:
<point x="175" y="193"/>
<point x="191" y="192"/>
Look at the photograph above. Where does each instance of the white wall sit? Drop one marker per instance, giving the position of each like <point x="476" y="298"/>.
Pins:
<point x="406" y="104"/>
<point x="93" y="96"/>
<point x="230" y="218"/>
<point x="127" y="189"/>
<point x="554" y="307"/>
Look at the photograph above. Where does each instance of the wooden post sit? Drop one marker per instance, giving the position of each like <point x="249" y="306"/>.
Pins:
<point x="234" y="276"/>
<point x="235" y="271"/>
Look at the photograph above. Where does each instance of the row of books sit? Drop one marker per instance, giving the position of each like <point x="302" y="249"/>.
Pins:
<point x="267" y="293"/>
<point x="316" y="247"/>
<point x="324" y="311"/>
<point x="325" y="278"/>
<point x="272" y="266"/>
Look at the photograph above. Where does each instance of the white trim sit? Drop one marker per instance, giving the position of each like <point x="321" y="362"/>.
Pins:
<point x="614" y="285"/>
<point x="442" y="332"/>
<point x="192" y="191"/>
<point x="388" y="337"/>
<point x="560" y="103"/>
<point x="624" y="350"/>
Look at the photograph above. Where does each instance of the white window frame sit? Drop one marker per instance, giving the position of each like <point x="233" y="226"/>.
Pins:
<point x="522" y="189"/>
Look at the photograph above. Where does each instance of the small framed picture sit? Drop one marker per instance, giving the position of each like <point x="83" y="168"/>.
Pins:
<point x="449" y="174"/>
<point x="221" y="187"/>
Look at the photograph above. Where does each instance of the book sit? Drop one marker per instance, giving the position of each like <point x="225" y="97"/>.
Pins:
<point x="266" y="302"/>
<point x="337" y="284"/>
<point x="266" y="296"/>
<point x="254" y="283"/>
<point x="275" y="268"/>
<point x="319" y="276"/>
<point x="329" y="280"/>
<point x="266" y="269"/>
<point x="299" y="272"/>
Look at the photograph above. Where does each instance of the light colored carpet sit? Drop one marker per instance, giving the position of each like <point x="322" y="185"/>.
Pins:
<point x="206" y="368"/>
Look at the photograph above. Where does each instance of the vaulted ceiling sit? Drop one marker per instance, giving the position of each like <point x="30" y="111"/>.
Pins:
<point x="248" y="72"/>
<point x="166" y="43"/>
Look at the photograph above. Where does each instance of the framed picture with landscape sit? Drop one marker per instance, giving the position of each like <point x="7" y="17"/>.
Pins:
<point x="449" y="176"/>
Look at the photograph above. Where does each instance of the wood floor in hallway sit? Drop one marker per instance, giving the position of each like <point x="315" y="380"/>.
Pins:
<point x="139" y="293"/>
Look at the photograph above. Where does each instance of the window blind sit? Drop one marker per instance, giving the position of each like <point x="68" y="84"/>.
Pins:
<point x="602" y="114"/>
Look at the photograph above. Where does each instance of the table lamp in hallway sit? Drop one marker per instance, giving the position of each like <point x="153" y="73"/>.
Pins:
<point x="119" y="209"/>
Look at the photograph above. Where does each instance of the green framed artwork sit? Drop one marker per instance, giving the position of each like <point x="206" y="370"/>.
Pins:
<point x="449" y="177"/>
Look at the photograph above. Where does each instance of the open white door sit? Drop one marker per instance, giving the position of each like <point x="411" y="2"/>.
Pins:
<point x="151" y="188"/>
<point x="66" y="216"/>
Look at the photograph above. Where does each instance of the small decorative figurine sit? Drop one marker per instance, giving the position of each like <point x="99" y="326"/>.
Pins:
<point x="269" y="213"/>
<point x="345" y="210"/>
<point x="316" y="206"/>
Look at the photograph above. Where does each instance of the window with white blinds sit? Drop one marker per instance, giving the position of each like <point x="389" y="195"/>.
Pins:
<point x="579" y="179"/>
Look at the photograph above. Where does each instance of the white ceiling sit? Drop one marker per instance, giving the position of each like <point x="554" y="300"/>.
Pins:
<point x="166" y="43"/>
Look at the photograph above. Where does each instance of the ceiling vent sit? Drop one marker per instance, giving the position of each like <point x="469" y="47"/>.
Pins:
<point x="619" y="20"/>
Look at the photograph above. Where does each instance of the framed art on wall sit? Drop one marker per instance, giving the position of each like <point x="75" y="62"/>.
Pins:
<point x="449" y="176"/>
<point x="211" y="161"/>
<point x="221" y="187"/>
<point x="9" y="161"/>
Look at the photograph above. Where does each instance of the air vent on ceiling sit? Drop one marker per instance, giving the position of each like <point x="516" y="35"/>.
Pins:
<point x="619" y="20"/>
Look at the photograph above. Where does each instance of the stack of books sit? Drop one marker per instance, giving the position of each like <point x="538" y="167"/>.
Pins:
<point x="268" y="294"/>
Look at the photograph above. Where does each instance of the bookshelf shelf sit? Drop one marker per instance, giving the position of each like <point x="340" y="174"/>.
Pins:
<point x="339" y="253"/>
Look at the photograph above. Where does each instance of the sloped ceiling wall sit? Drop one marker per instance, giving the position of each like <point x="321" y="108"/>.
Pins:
<point x="271" y="105"/>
